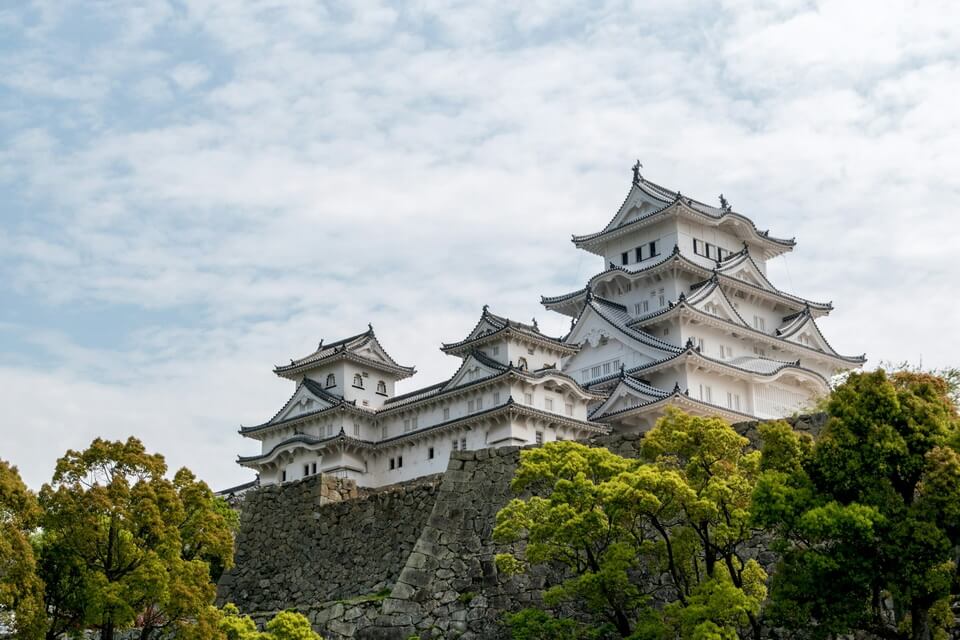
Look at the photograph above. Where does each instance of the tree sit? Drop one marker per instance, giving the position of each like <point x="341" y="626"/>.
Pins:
<point x="21" y="591"/>
<point x="229" y="624"/>
<point x="123" y="545"/>
<point x="619" y="524"/>
<point x="868" y="519"/>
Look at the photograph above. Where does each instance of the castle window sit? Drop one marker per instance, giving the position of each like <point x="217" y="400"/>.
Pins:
<point x="283" y="476"/>
<point x="606" y="368"/>
<point x="595" y="371"/>
<point x="528" y="398"/>
<point x="399" y="461"/>
<point x="455" y="445"/>
<point x="759" y="323"/>
<point x="356" y="429"/>
<point x="654" y="248"/>
<point x="639" y="251"/>
<point x="568" y="409"/>
<point x="539" y="437"/>
<point x="496" y="350"/>
<point x="548" y="404"/>
<point x="479" y="403"/>
<point x="522" y="364"/>
<point x="430" y="453"/>
<point x="496" y="397"/>
<point x="358" y="381"/>
<point x="384" y="432"/>
<point x="446" y="413"/>
<point x="666" y="331"/>
<point x="698" y="247"/>
<point x="306" y="470"/>
<point x="415" y="421"/>
<point x="382" y="388"/>
<point x="331" y="380"/>
<point x="313" y="467"/>
<point x="406" y="425"/>
<point x="470" y="405"/>
<point x="625" y="257"/>
<point x="463" y="444"/>
<point x="393" y="464"/>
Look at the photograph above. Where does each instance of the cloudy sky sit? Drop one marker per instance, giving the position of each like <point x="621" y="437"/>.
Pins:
<point x="193" y="191"/>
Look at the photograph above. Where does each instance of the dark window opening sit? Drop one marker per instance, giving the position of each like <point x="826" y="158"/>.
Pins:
<point x="393" y="463"/>
<point x="358" y="381"/>
<point x="625" y="257"/>
<point x="331" y="380"/>
<point x="639" y="254"/>
<point x="430" y="453"/>
<point x="382" y="388"/>
<point x="399" y="461"/>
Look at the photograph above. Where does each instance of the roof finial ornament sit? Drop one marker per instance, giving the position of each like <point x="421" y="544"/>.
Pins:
<point x="676" y="249"/>
<point x="724" y="205"/>
<point x="623" y="371"/>
<point x="370" y="327"/>
<point x="689" y="343"/>
<point x="320" y="346"/>
<point x="636" y="172"/>
<point x="676" y="387"/>
<point x="536" y="327"/>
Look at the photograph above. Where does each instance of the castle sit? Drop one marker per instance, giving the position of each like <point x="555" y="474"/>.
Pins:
<point x="682" y="314"/>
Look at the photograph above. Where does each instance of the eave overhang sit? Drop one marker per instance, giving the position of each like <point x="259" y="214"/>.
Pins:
<point x="571" y="303"/>
<point x="683" y="207"/>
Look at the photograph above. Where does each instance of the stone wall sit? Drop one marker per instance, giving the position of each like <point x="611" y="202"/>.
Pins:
<point x="414" y="559"/>
<point x="301" y="543"/>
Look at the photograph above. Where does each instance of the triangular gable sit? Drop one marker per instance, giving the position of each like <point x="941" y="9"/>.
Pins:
<point x="638" y="204"/>
<point x="594" y="325"/>
<point x="803" y="330"/>
<point x="470" y="370"/>
<point x="626" y="395"/>
<point x="711" y="299"/>
<point x="745" y="269"/>
<point x="302" y="401"/>
<point x="371" y="349"/>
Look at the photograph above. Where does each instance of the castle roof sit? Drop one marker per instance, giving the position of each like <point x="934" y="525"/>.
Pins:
<point x="363" y="348"/>
<point x="571" y="302"/>
<point x="652" y="202"/>
<point x="494" y="327"/>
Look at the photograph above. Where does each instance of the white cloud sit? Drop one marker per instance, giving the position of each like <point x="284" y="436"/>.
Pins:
<point x="318" y="168"/>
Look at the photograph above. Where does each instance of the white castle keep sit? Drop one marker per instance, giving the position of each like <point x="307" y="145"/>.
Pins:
<point x="682" y="314"/>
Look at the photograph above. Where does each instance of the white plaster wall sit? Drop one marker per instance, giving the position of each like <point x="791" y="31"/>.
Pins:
<point x="664" y="231"/>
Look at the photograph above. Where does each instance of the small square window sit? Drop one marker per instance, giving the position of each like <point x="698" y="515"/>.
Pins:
<point x="539" y="437"/>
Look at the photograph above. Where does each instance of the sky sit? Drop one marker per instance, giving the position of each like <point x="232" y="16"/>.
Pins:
<point x="193" y="191"/>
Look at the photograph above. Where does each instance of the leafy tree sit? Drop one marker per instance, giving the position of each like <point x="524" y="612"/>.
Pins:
<point x="229" y="624"/>
<point x="123" y="545"/>
<point x="868" y="517"/>
<point x="618" y="524"/>
<point x="21" y="591"/>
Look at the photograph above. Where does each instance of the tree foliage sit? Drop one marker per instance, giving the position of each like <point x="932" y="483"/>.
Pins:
<point x="619" y="524"/>
<point x="21" y="592"/>
<point x="229" y="624"/>
<point x="869" y="516"/>
<point x="123" y="545"/>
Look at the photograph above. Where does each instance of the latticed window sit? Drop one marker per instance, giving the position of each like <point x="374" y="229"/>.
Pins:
<point x="331" y="380"/>
<point x="382" y="387"/>
<point x="358" y="380"/>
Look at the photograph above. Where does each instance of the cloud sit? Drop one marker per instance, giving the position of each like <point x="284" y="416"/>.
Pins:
<point x="211" y="188"/>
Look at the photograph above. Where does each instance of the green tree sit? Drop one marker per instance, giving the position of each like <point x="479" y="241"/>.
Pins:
<point x="123" y="545"/>
<point x="618" y="524"/>
<point x="21" y="591"/>
<point x="229" y="624"/>
<point x="868" y="518"/>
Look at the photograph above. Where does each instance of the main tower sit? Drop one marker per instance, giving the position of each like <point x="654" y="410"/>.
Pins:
<point x="683" y="314"/>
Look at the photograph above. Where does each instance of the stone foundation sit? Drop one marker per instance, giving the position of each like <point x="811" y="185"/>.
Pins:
<point x="412" y="559"/>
